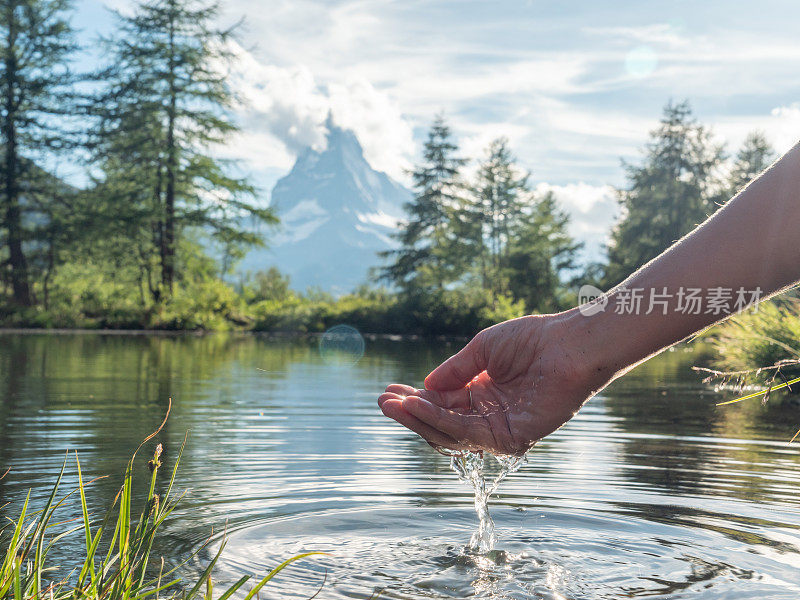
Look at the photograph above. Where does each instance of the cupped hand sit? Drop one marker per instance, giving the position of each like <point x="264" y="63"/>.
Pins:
<point x="511" y="385"/>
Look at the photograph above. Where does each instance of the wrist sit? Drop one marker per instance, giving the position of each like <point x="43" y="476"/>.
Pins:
<point x="601" y="345"/>
<point x="613" y="341"/>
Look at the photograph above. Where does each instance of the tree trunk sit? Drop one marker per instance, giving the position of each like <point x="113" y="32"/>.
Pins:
<point x="157" y="231"/>
<point x="168" y="243"/>
<point x="13" y="213"/>
<point x="168" y="240"/>
<point x="51" y="265"/>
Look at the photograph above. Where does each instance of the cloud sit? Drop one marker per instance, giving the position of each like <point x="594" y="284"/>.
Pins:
<point x="781" y="126"/>
<point x="664" y="34"/>
<point x="284" y="102"/>
<point x="784" y="126"/>
<point x="385" y="135"/>
<point x="283" y="111"/>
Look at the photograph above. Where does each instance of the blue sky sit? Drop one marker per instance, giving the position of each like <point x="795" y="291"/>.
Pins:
<point x="575" y="86"/>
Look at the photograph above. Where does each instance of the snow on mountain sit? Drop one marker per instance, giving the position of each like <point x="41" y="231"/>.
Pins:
<point x="336" y="214"/>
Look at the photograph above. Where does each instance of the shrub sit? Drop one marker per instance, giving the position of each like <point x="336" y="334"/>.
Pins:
<point x="207" y="304"/>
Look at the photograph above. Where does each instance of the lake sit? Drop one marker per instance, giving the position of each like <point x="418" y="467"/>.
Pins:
<point x="651" y="491"/>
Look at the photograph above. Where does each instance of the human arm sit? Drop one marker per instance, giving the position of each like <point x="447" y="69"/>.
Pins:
<point x="522" y="379"/>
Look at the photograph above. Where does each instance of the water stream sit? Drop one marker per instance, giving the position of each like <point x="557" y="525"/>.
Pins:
<point x="469" y="466"/>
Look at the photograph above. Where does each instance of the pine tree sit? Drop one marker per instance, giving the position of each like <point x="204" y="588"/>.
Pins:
<point x="500" y="193"/>
<point x="167" y="103"/>
<point x="540" y="252"/>
<point x="36" y="43"/>
<point x="426" y="239"/>
<point x="755" y="155"/>
<point x="670" y="193"/>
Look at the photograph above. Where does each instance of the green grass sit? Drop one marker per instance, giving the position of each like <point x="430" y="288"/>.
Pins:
<point x="126" y="569"/>
<point x="759" y="339"/>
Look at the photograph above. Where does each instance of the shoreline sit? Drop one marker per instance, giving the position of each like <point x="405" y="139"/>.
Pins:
<point x="200" y="333"/>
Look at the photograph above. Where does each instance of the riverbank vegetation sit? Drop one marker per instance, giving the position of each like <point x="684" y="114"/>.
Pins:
<point x="765" y="337"/>
<point x="118" y="558"/>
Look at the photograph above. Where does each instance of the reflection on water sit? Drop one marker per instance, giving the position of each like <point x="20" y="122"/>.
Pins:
<point x="651" y="491"/>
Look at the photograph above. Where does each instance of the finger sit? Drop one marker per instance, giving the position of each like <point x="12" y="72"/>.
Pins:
<point x="388" y="396"/>
<point x="458" y="370"/>
<point x="453" y="399"/>
<point x="393" y="408"/>
<point x="467" y="430"/>
<point x="401" y="390"/>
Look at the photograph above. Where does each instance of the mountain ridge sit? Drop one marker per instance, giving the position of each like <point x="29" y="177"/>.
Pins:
<point x="336" y="213"/>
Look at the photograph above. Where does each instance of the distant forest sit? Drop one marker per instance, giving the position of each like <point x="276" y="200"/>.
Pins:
<point x="130" y="249"/>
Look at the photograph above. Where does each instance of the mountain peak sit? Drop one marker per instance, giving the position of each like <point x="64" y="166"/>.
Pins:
<point x="342" y="141"/>
<point x="336" y="213"/>
<point x="342" y="151"/>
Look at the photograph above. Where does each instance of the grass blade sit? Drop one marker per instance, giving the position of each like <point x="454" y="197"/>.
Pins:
<point x="234" y="588"/>
<point x="277" y="570"/>
<point x="761" y="393"/>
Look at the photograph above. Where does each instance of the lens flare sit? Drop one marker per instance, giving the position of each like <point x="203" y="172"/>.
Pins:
<point x="641" y="61"/>
<point x="341" y="344"/>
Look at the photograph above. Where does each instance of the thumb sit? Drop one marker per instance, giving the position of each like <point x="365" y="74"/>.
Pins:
<point x="458" y="370"/>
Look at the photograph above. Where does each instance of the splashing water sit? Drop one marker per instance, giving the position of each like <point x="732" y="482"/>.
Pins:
<point x="469" y="466"/>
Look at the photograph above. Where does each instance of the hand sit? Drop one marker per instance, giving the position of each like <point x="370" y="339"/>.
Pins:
<point x="511" y="385"/>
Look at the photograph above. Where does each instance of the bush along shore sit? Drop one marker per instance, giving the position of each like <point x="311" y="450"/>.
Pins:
<point x="268" y="304"/>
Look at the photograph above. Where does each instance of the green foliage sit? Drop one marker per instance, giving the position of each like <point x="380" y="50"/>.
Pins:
<point x="461" y="311"/>
<point x="117" y="561"/>
<point x="424" y="259"/>
<point x="87" y="295"/>
<point x="36" y="44"/>
<point x="760" y="338"/>
<point x="104" y="292"/>
<point x="267" y="285"/>
<point x="673" y="190"/>
<point x="368" y="310"/>
<point x="493" y="235"/>
<point x="205" y="304"/>
<point x="165" y="105"/>
<point x="522" y="243"/>
<point x="496" y="210"/>
<point x="126" y="252"/>
<point x="540" y="250"/>
<point x="93" y="295"/>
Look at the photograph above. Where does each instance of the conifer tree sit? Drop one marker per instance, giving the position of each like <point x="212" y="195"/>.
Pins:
<point x="675" y="188"/>
<point x="755" y="155"/>
<point x="540" y="253"/>
<point x="167" y="103"/>
<point x="36" y="43"/>
<point x="500" y="193"/>
<point x="426" y="242"/>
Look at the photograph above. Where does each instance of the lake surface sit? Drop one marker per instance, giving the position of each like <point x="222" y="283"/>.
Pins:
<point x="651" y="491"/>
